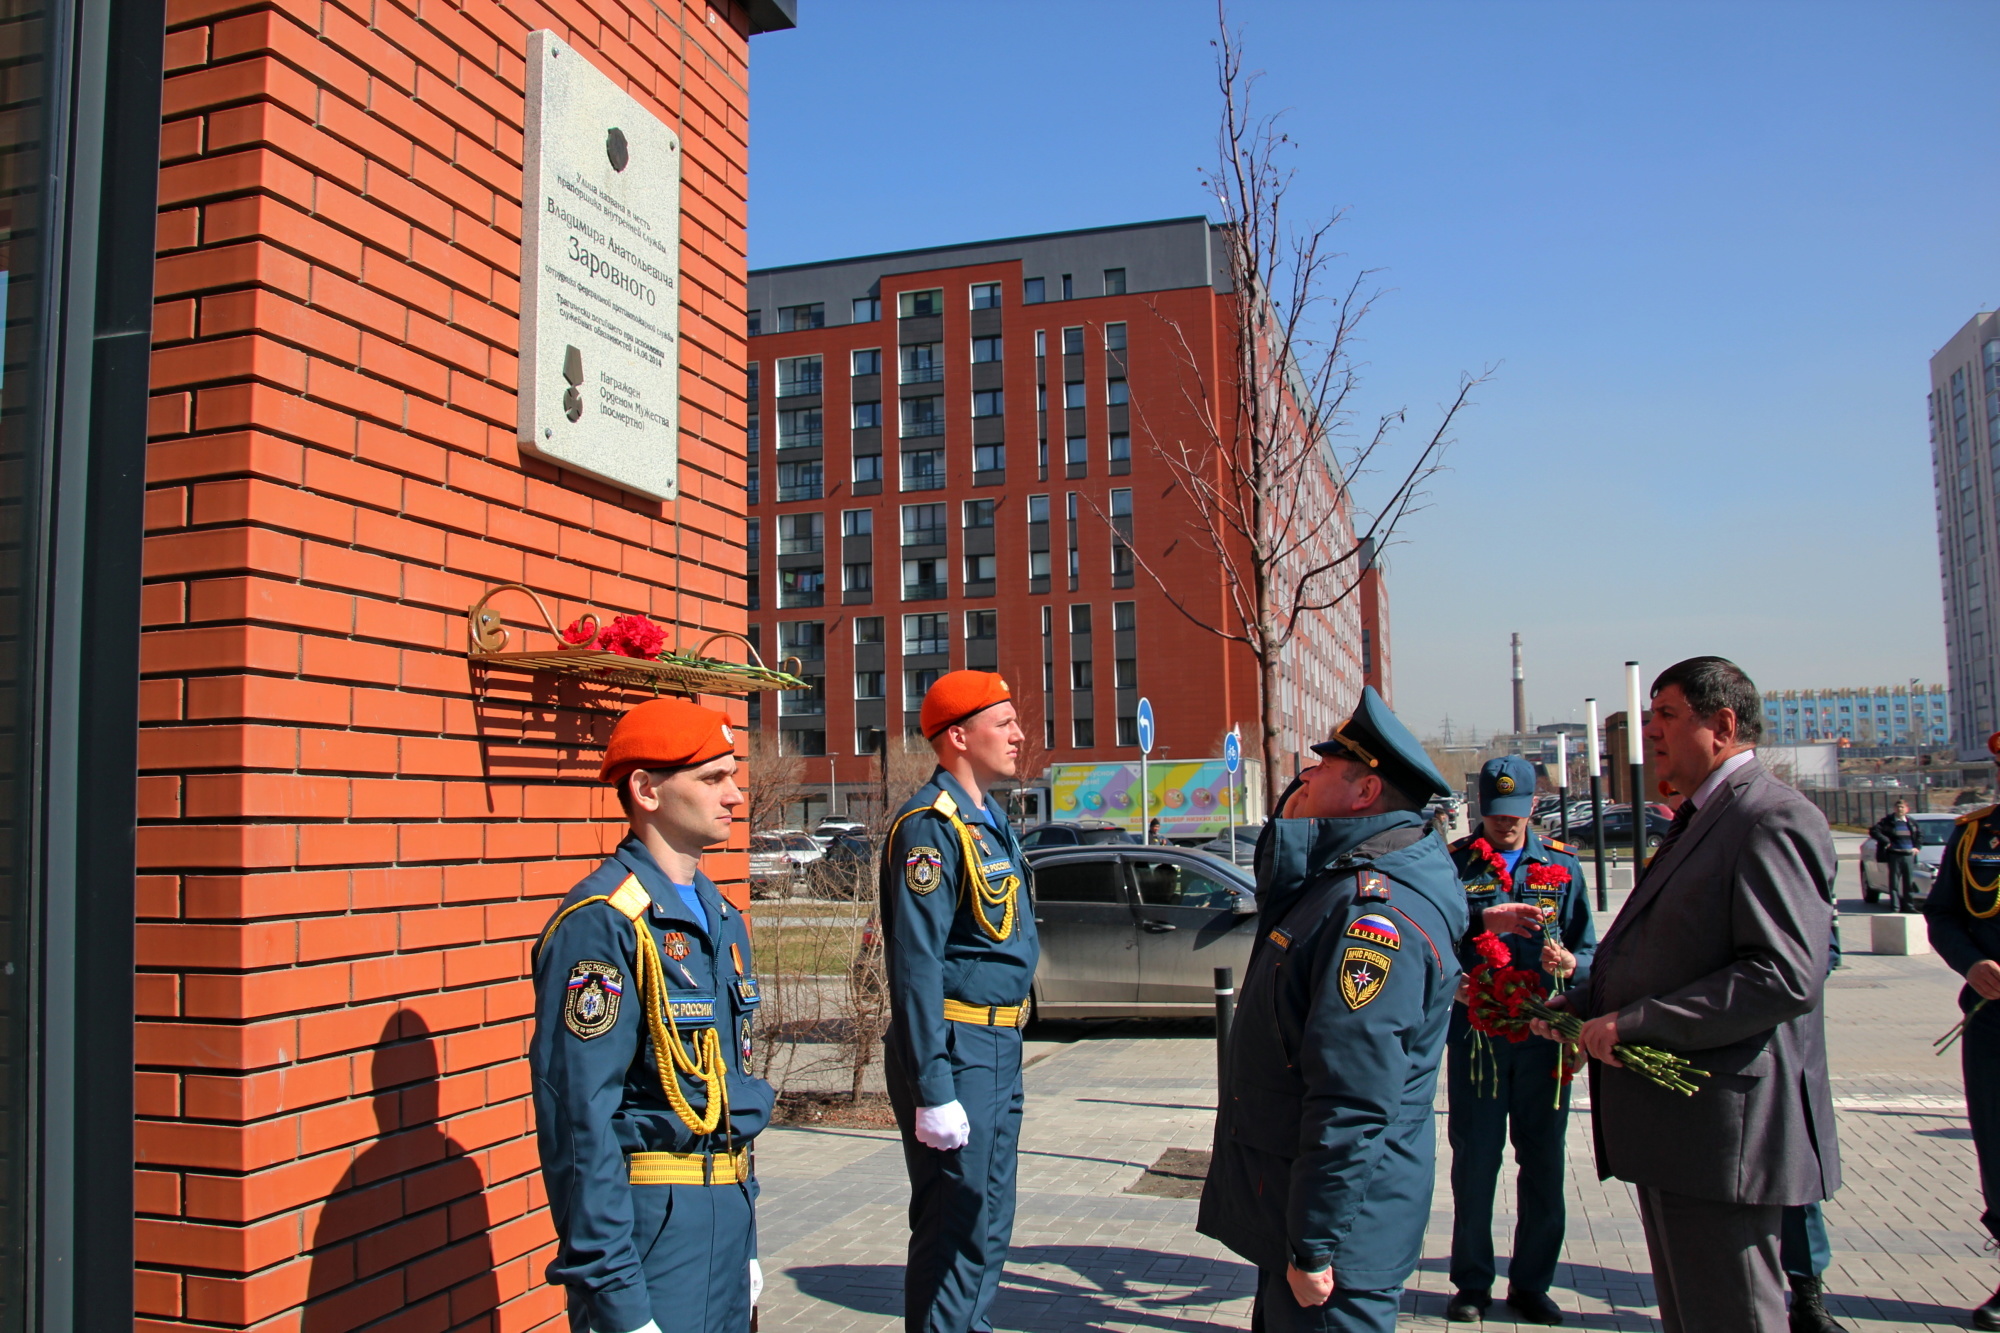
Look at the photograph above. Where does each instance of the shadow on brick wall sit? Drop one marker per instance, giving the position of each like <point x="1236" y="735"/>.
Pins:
<point x="405" y="1232"/>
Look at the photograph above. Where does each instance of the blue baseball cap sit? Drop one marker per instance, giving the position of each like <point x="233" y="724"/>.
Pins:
<point x="1507" y="786"/>
<point x="1377" y="737"/>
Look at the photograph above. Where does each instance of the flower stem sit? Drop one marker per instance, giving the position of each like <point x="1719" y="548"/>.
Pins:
<point x="1945" y="1042"/>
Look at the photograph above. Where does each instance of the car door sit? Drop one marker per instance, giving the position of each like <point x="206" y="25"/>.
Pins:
<point x="1090" y="958"/>
<point x="1188" y="927"/>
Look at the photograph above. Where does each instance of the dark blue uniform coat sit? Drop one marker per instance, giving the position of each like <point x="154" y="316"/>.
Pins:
<point x="1324" y="1147"/>
<point x="961" y="1202"/>
<point x="678" y="1254"/>
<point x="1518" y="1083"/>
<point x="1962" y="938"/>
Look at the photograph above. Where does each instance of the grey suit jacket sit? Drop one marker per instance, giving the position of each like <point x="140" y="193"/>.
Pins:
<point x="1720" y="954"/>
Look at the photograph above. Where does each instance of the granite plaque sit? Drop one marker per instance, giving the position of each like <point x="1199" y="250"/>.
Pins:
<point x="600" y="276"/>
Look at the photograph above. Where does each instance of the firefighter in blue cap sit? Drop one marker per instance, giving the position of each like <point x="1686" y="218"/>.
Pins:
<point x="1529" y="890"/>
<point x="1324" y="1146"/>
<point x="959" y="942"/>
<point x="644" y="997"/>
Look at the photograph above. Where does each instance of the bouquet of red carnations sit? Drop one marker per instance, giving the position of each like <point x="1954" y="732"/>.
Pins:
<point x="1501" y="1000"/>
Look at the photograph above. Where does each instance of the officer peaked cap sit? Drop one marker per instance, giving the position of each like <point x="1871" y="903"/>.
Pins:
<point x="1377" y="737"/>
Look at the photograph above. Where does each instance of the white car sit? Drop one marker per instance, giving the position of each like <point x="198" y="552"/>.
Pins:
<point x="780" y="857"/>
<point x="1875" y="876"/>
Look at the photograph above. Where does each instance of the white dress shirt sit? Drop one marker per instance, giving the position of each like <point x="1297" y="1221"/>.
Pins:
<point x="1715" y="779"/>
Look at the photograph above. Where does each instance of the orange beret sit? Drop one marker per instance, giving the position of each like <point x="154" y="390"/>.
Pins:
<point x="666" y="733"/>
<point x="957" y="696"/>
<point x="1993" y="745"/>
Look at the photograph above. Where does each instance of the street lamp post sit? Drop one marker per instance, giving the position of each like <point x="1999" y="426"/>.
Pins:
<point x="832" y="779"/>
<point x="1562" y="780"/>
<point x="1635" y="755"/>
<point x="1596" y="797"/>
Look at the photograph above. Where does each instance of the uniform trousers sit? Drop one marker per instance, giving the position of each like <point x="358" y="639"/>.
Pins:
<point x="1803" y="1248"/>
<point x="1519" y="1099"/>
<point x="695" y="1244"/>
<point x="961" y="1202"/>
<point x="1278" y="1311"/>
<point x="1981" y="1063"/>
<point x="1715" y="1264"/>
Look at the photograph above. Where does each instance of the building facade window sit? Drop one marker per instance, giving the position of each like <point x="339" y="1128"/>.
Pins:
<point x="869" y="684"/>
<point x="802" y="587"/>
<point x="866" y="309"/>
<point x="802" y="742"/>
<point x="800" y="534"/>
<point x="1114" y="282"/>
<point x="1125" y="673"/>
<point x="1124" y="615"/>
<point x="799" y="428"/>
<point x="1073" y="394"/>
<point x="867" y="416"/>
<point x="1128" y="730"/>
<point x="923" y="470"/>
<point x="867" y="361"/>
<point x="982" y="624"/>
<point x="1083" y="732"/>
<point x="1038" y="509"/>
<point x="1079" y="618"/>
<point x="926" y="633"/>
<point x="867" y="467"/>
<point x="1038" y="564"/>
<point x="989" y="458"/>
<point x="1076" y="450"/>
<point x="1068" y="288"/>
<point x="794" y="317"/>
<point x="922" y="363"/>
<point x="799" y="481"/>
<point x="803" y="639"/>
<point x="809" y="702"/>
<point x="916" y="684"/>
<point x="1121" y="503"/>
<point x="1119" y="450"/>
<point x="980" y="568"/>
<point x="923" y="416"/>
<point x="978" y="513"/>
<point x="868" y="629"/>
<point x="857" y="522"/>
<point x="989" y="403"/>
<point x="915" y="305"/>
<point x="1034" y="291"/>
<point x="923" y="525"/>
<point x="1114" y="337"/>
<point x="924" y="580"/>
<point x="985" y="296"/>
<point x="985" y="350"/>
<point x="1079" y="674"/>
<point x="1072" y="343"/>
<point x="858" y="576"/>
<point x="799" y="375"/>
<point x="1116" y="394"/>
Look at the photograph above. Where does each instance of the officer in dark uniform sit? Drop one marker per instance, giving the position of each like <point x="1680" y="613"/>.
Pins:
<point x="644" y="996"/>
<point x="1528" y="889"/>
<point x="959" y="937"/>
<point x="1324" y="1147"/>
<point x="1963" y="913"/>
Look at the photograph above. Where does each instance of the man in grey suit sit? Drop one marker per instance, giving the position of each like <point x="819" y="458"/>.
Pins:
<point x="1720" y="954"/>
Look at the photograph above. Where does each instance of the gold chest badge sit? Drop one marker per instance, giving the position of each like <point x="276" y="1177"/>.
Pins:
<point x="922" y="869"/>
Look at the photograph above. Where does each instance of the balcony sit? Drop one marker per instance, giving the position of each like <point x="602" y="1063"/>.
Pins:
<point x="932" y="374"/>
<point x="918" y="427"/>
<point x="798" y="386"/>
<point x="801" y="439"/>
<point x="805" y="490"/>
<point x="917" y="647"/>
<point x="926" y="592"/>
<point x="801" y="545"/>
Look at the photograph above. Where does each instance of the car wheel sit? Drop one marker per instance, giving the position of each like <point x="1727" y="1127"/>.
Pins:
<point x="1028" y="1021"/>
<point x="1653" y="841"/>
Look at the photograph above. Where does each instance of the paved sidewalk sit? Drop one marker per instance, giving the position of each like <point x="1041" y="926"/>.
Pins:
<point x="1104" y="1101"/>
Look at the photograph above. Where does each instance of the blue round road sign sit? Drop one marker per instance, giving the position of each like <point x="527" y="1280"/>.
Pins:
<point x="1145" y="726"/>
<point x="1232" y="752"/>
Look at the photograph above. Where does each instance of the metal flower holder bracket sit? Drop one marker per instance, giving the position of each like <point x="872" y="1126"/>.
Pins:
<point x="675" y="672"/>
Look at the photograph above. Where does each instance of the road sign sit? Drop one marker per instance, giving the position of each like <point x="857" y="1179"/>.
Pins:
<point x="1232" y="752"/>
<point x="1145" y="726"/>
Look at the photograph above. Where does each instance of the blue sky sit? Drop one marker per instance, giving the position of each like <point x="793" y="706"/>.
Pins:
<point x="1709" y="248"/>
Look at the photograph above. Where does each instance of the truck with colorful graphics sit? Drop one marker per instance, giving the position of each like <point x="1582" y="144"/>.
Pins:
<point x="1190" y="797"/>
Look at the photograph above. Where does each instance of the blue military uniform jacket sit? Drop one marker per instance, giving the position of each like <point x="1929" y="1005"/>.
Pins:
<point x="1963" y="910"/>
<point x="597" y="1088"/>
<point x="1324" y="1144"/>
<point x="1570" y="902"/>
<point x="931" y="908"/>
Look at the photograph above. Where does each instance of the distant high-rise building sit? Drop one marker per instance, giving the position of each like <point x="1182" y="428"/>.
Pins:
<point x="1965" y="453"/>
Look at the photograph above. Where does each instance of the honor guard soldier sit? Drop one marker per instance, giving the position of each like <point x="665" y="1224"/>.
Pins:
<point x="1529" y="890"/>
<point x="644" y="997"/>
<point x="1324" y="1146"/>
<point x="959" y="934"/>
<point x="1963" y="912"/>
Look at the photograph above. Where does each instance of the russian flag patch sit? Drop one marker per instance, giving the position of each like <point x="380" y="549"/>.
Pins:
<point x="1378" y="930"/>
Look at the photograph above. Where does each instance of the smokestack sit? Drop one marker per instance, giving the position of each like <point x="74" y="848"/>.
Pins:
<point x="1520" y="692"/>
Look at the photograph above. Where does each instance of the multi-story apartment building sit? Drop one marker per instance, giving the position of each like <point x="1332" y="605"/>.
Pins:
<point x="952" y="464"/>
<point x="1918" y="716"/>
<point x="1964" y="405"/>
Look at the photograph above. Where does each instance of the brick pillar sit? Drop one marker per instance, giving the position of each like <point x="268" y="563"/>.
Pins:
<point x="346" y="843"/>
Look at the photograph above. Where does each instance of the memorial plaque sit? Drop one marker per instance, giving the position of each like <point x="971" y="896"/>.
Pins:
<point x="600" y="277"/>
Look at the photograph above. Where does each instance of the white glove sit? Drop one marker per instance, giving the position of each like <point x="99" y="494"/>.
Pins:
<point x="943" y="1127"/>
<point x="756" y="1281"/>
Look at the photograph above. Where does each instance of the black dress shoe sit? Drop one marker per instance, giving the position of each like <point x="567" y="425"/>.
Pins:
<point x="1808" y="1314"/>
<point x="1535" y="1307"/>
<point x="1988" y="1315"/>
<point x="1467" y="1306"/>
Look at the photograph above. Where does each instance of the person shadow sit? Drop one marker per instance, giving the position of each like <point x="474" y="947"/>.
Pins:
<point x="406" y="1230"/>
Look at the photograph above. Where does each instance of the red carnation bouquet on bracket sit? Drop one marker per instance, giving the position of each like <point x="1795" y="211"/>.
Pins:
<point x="1501" y="1000"/>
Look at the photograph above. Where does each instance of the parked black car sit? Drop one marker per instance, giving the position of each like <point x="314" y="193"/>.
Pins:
<point x="1074" y="835"/>
<point x="1618" y="831"/>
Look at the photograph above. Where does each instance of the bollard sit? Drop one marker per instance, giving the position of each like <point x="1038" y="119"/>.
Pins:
<point x="1225" y="1012"/>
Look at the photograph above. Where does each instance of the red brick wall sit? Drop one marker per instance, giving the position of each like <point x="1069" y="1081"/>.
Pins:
<point x="349" y="839"/>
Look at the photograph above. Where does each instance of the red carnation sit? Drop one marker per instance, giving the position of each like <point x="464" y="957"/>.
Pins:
<point x="1492" y="950"/>
<point x="633" y="636"/>
<point x="1547" y="877"/>
<point x="580" y="631"/>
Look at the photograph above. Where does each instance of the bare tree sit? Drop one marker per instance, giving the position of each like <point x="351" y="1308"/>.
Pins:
<point x="1267" y="455"/>
<point x="777" y="781"/>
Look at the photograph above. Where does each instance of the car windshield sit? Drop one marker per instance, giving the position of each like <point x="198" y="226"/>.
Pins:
<point x="764" y="842"/>
<point x="1098" y="837"/>
<point x="799" y="842"/>
<point x="1935" y="826"/>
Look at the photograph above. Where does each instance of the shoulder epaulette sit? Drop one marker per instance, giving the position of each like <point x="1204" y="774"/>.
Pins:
<point x="944" y="805"/>
<point x="1972" y="815"/>
<point x="630" y="899"/>
<point x="1462" y="843"/>
<point x="1556" y="845"/>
